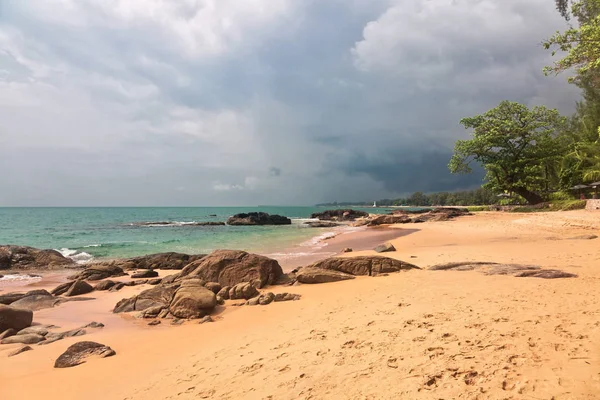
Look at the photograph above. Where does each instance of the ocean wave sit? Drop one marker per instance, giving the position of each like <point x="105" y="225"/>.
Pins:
<point x="300" y="254"/>
<point x="93" y="245"/>
<point x="160" y="224"/>
<point x="80" y="257"/>
<point x="20" y="278"/>
<point x="319" y="241"/>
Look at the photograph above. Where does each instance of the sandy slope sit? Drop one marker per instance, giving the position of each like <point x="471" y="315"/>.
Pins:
<point x="414" y="335"/>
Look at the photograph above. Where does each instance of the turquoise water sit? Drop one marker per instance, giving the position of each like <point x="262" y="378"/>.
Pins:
<point x="85" y="233"/>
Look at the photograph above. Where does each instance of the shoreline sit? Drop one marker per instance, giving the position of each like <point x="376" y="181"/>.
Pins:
<point x="418" y="334"/>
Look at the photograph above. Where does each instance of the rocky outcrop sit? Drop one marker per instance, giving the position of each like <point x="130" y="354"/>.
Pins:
<point x="321" y="224"/>
<point x="340" y="215"/>
<point x="258" y="218"/>
<point x="230" y="267"/>
<point x="145" y="273"/>
<point x="390" y="219"/>
<point x="516" y="270"/>
<point x="178" y="224"/>
<point x="364" y="265"/>
<point x="97" y="272"/>
<point x="384" y="248"/>
<point x="192" y="300"/>
<point x="169" y="261"/>
<point x="319" y="275"/>
<point x="24" y="258"/>
<point x="14" y="318"/>
<point x="77" y="353"/>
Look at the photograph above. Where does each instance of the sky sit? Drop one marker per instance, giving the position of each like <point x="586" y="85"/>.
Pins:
<point x="246" y="102"/>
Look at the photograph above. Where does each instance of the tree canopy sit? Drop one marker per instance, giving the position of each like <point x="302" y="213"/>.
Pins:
<point x="517" y="147"/>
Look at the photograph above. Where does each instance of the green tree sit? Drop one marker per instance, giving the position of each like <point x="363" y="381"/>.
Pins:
<point x="515" y="145"/>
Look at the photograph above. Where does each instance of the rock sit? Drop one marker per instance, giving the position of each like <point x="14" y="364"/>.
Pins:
<point x="170" y="278"/>
<point x="61" y="289"/>
<point x="139" y="282"/>
<point x="37" y="302"/>
<point x="77" y="353"/>
<point x="584" y="237"/>
<point x="252" y="302"/>
<point x="321" y="224"/>
<point x="205" y="319"/>
<point x="152" y="312"/>
<point x="286" y="297"/>
<point x="319" y="275"/>
<point x="14" y="318"/>
<point x="20" y="350"/>
<point x="155" y="322"/>
<point x="258" y="218"/>
<point x="10" y="298"/>
<point x="7" y="333"/>
<point x="160" y="295"/>
<point x="230" y="267"/>
<point x="79" y="288"/>
<point x="224" y="292"/>
<point x="177" y="321"/>
<point x="154" y="281"/>
<point x="116" y="287"/>
<point x="23" y="258"/>
<point x="347" y="250"/>
<point x="266" y="298"/>
<point x="30" y="338"/>
<point x="545" y="274"/>
<point x="214" y="287"/>
<point x="95" y="325"/>
<point x="384" y="248"/>
<point x="150" y="262"/>
<point x="98" y="272"/>
<point x="390" y="219"/>
<point x="38" y="330"/>
<point x="244" y="290"/>
<point x="364" y="265"/>
<point x="104" y="285"/>
<point x="192" y="300"/>
<point x="164" y="314"/>
<point x="145" y="273"/>
<point x="516" y="270"/>
<point x="441" y="214"/>
<point x="339" y="215"/>
<point x="220" y="300"/>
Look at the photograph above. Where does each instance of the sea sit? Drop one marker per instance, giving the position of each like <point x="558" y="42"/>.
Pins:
<point x="93" y="233"/>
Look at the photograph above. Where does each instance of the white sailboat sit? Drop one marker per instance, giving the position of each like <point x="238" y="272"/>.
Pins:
<point x="374" y="204"/>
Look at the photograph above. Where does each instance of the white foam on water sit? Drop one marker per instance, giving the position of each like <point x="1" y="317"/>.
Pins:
<point x="80" y="257"/>
<point x="93" y="245"/>
<point x="20" y="278"/>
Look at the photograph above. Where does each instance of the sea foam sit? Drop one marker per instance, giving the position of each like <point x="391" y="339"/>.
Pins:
<point x="80" y="257"/>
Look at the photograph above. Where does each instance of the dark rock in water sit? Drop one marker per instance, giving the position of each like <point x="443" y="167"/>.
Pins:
<point x="214" y="287"/>
<point x="30" y="338"/>
<point x="104" y="285"/>
<point x="77" y="353"/>
<point x="286" y="297"/>
<point x="319" y="275"/>
<point x="192" y="300"/>
<point x="14" y="318"/>
<point x="339" y="215"/>
<point x="384" y="248"/>
<point x="20" y="350"/>
<point x="79" y="288"/>
<point x="10" y="298"/>
<point x="98" y="272"/>
<point x="321" y="224"/>
<point x="390" y="219"/>
<point x="146" y="273"/>
<point x="364" y="265"/>
<point x="230" y="267"/>
<point x="258" y="218"/>
<point x="7" y="333"/>
<point x="244" y="290"/>
<point x="23" y="258"/>
<point x="516" y="270"/>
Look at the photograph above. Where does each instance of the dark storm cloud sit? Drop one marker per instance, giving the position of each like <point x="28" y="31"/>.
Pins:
<point x="148" y="102"/>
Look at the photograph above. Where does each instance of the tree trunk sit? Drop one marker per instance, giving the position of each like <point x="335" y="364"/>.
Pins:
<point x="531" y="197"/>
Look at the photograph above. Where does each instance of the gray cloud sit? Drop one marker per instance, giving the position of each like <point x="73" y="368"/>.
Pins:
<point x="167" y="103"/>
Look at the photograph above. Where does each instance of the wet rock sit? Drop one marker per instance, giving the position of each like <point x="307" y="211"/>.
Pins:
<point x="258" y="218"/>
<point x="321" y="224"/>
<point x="230" y="267"/>
<point x="311" y="275"/>
<point x="364" y="265"/>
<point x="104" y="285"/>
<point x="384" y="248"/>
<point x="30" y="338"/>
<point x="14" y="318"/>
<point x="146" y="273"/>
<point x="24" y="258"/>
<point x="340" y="215"/>
<point x="245" y="290"/>
<point x="192" y="300"/>
<point x="77" y="353"/>
<point x="19" y="351"/>
<point x="98" y="272"/>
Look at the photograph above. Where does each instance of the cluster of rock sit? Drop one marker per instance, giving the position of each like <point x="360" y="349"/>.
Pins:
<point x="339" y="215"/>
<point x="405" y="217"/>
<point x="258" y="218"/>
<point x="24" y="257"/>
<point x="516" y="270"/>
<point x="170" y="260"/>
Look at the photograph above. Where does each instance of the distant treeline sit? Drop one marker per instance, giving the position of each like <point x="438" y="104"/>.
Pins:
<point x="478" y="197"/>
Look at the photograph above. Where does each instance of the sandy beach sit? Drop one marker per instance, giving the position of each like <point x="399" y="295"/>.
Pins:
<point x="418" y="334"/>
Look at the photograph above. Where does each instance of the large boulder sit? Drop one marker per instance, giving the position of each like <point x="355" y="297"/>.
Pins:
<point x="390" y="219"/>
<point x="79" y="288"/>
<point x="364" y="265"/>
<point x="230" y="267"/>
<point x="158" y="296"/>
<point x="384" y="248"/>
<point x="258" y="218"/>
<point x="14" y="318"/>
<point x="77" y="353"/>
<point x="320" y="275"/>
<point x="97" y="272"/>
<point x="340" y="215"/>
<point x="192" y="300"/>
<point x="24" y="257"/>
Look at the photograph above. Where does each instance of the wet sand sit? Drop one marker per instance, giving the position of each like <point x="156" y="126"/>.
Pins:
<point x="415" y="335"/>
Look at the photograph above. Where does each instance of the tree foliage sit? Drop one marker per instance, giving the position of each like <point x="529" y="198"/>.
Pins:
<point x="517" y="147"/>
